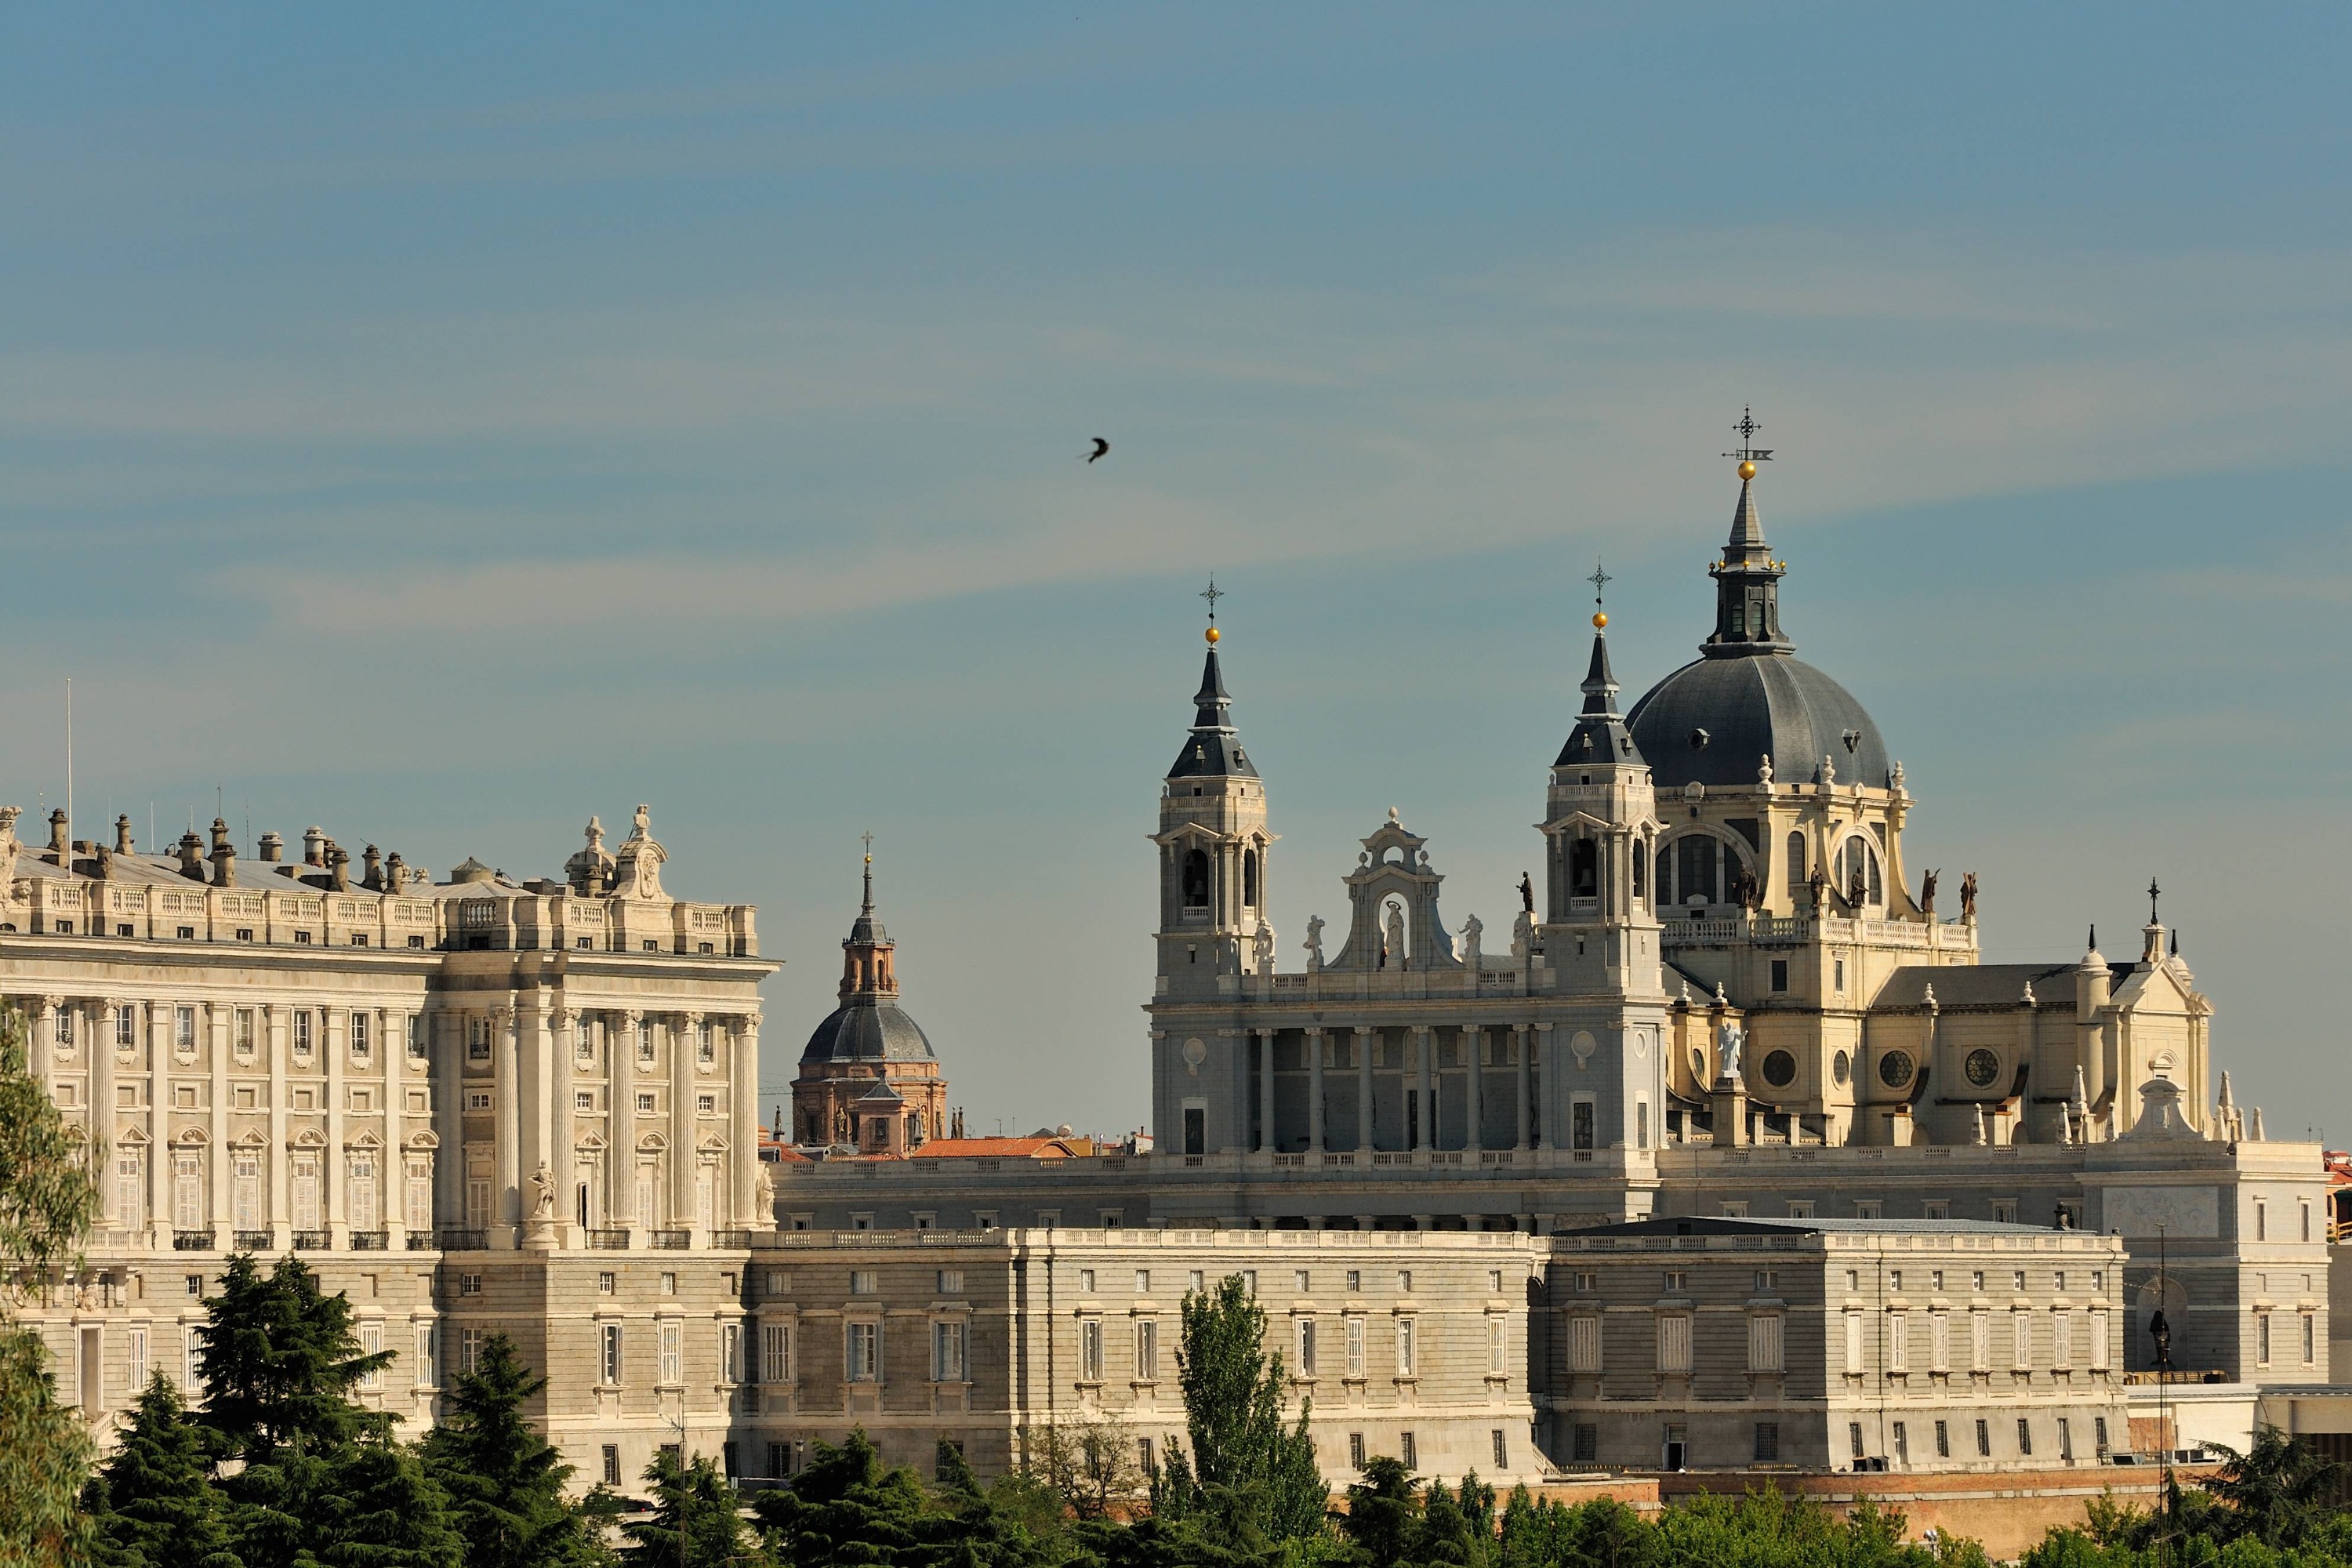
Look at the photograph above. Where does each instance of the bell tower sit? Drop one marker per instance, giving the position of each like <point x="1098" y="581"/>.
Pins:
<point x="1214" y="848"/>
<point x="1600" y="841"/>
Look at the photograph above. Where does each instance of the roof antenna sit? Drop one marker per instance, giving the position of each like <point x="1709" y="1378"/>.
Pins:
<point x="68" y="856"/>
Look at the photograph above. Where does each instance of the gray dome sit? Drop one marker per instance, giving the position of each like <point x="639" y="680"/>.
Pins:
<point x="1748" y="708"/>
<point x="868" y="1029"/>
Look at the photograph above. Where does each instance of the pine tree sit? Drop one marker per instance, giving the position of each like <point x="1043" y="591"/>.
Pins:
<point x="504" y="1480"/>
<point x="46" y="1201"/>
<point x="696" y="1499"/>
<point x="280" y="1360"/>
<point x="384" y="1511"/>
<point x="153" y="1501"/>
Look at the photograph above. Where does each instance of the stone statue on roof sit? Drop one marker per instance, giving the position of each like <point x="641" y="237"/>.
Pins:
<point x="1471" y="930"/>
<point x="1314" y="943"/>
<point x="1394" y="944"/>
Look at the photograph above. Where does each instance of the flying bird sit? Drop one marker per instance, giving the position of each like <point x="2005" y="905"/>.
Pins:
<point x="1101" y="447"/>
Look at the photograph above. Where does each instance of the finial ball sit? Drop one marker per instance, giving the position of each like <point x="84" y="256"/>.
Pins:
<point x="1747" y="470"/>
<point x="1599" y="620"/>
<point x="1212" y="635"/>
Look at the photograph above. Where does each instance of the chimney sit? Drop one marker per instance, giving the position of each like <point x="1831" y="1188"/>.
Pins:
<point x="338" y="868"/>
<point x="314" y="846"/>
<point x="220" y="835"/>
<point x="57" y="833"/>
<point x="373" y="879"/>
<point x="395" y="874"/>
<point x="192" y="856"/>
<point x="273" y="848"/>
<point x="224" y="862"/>
<point x="123" y="834"/>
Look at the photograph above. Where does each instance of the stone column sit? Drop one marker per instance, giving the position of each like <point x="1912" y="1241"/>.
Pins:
<point x="41" y="1056"/>
<point x="1523" y="1047"/>
<point x="334" y="1039"/>
<point x="1425" y="1112"/>
<point x="684" y="1163"/>
<point x="1364" y="1041"/>
<point x="1237" y="1096"/>
<point x="1266" y="1091"/>
<point x="1544" y="1136"/>
<point x="1474" y="1107"/>
<point x="101" y="1105"/>
<point x="743" y="1121"/>
<point x="1314" y="1039"/>
<point x="621" y="1160"/>
<point x="447" y="1032"/>
<point x="532" y="1110"/>
<point x="563" y="1055"/>
<point x="215" y="1024"/>
<point x="159" y="1112"/>
<point x="278" y="1022"/>
<point x="505" y="1070"/>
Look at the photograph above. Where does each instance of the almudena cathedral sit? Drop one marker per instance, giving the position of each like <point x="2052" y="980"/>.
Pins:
<point x="1730" y="1155"/>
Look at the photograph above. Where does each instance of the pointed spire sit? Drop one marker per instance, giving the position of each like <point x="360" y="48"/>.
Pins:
<point x="866" y="931"/>
<point x="1746" y="580"/>
<point x="1214" y="750"/>
<point x="1746" y="542"/>
<point x="1600" y="736"/>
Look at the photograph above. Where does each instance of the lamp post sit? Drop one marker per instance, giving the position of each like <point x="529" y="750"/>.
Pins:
<point x="2160" y="1330"/>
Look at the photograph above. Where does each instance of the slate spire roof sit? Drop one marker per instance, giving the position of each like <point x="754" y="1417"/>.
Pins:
<point x="1214" y="750"/>
<point x="1600" y="735"/>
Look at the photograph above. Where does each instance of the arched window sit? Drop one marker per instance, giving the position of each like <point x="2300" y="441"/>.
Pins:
<point x="1583" y="868"/>
<point x="1249" y="879"/>
<point x="1640" y="871"/>
<point x="1858" y="873"/>
<point x="1796" y="864"/>
<point x="1196" y="878"/>
<point x="1694" y="868"/>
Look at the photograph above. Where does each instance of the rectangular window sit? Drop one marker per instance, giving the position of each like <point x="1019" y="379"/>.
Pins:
<point x="1854" y="1437"/>
<point x="359" y="1196"/>
<point x="865" y="1353"/>
<point x="1497" y="1347"/>
<point x="2098" y="1341"/>
<point x="416" y="1036"/>
<point x="611" y="1368"/>
<point x="780" y="1460"/>
<point x="2099" y="1435"/>
<point x="1405" y="1335"/>
<point x="428" y="1355"/>
<point x="1090" y="1358"/>
<point x="1584" y="1443"/>
<point x="1779" y="974"/>
<point x="477" y="1039"/>
<point x="1580" y="1125"/>
<point x="2262" y="1338"/>
<point x="1356" y="1451"/>
<point x="2024" y="1437"/>
<point x="301" y="1031"/>
<point x="2310" y="1337"/>
<point x="1943" y="1440"/>
<point x="1404" y="1282"/>
<point x="1898" y="1341"/>
<point x="1984" y="1439"/>
<point x="1302" y="1345"/>
<point x="584" y="1100"/>
<point x="1085" y="1281"/>
<point x="244" y="1031"/>
<point x="187" y="1189"/>
<point x="126" y="1028"/>
<point x="1901" y="1443"/>
<point x="183" y="1028"/>
<point x="2020" y="1340"/>
<point x="362" y="1042"/>
<point x="776" y="1352"/>
<point x="470" y="1350"/>
<point x="135" y="1361"/>
<point x="1674" y="1342"/>
<point x="947" y="1352"/>
<point x="2306" y="1206"/>
<point x="2262" y="1219"/>
<point x="950" y="1282"/>
<point x="1143" y="1455"/>
<point x="865" y="1282"/>
<point x="730" y="1352"/>
<point x="1764" y="1342"/>
<point x="1298" y="1277"/>
<point x="1981" y="1342"/>
<point x="669" y="1351"/>
<point x="1853" y="1363"/>
<point x="371" y="1344"/>
<point x="2062" y="1341"/>
<point x="1146" y="1349"/>
<point x="2065" y="1440"/>
<point x="1939" y="1341"/>
<point x="1502" y="1448"/>
<point x="646" y="1040"/>
<point x="1407" y="1451"/>
<point x="1355" y="1347"/>
<point x="1768" y="1442"/>
<point x="1584" y="1344"/>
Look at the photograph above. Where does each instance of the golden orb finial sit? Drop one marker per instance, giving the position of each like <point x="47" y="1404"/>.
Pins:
<point x="1211" y="635"/>
<point x="1747" y="470"/>
<point x="1599" y="620"/>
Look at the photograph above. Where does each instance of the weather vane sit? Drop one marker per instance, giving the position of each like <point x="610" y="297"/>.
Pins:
<point x="1746" y="429"/>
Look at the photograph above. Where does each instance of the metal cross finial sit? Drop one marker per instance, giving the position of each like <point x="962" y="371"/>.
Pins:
<point x="2152" y="891"/>
<point x="1746" y="430"/>
<point x="1212" y="593"/>
<point x="1599" y="580"/>
<point x="868" y="839"/>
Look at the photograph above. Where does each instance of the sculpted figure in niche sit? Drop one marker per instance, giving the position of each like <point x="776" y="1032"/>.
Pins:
<point x="1395" y="940"/>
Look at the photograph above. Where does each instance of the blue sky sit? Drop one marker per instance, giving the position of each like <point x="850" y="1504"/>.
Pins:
<point x="442" y="426"/>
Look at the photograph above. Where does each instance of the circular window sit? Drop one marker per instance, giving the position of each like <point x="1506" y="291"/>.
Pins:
<point x="1841" y="1069"/>
<point x="1982" y="1066"/>
<point x="1780" y="1070"/>
<point x="1698" y="1064"/>
<point x="1894" y="1069"/>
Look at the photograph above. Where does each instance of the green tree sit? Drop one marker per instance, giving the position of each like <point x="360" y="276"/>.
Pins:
<point x="280" y="1359"/>
<point x="1255" y="1476"/>
<point x="154" y="1502"/>
<point x="382" y="1510"/>
<point x="2277" y="1491"/>
<point x="504" y="1481"/>
<point x="47" y="1202"/>
<point x="695" y="1498"/>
